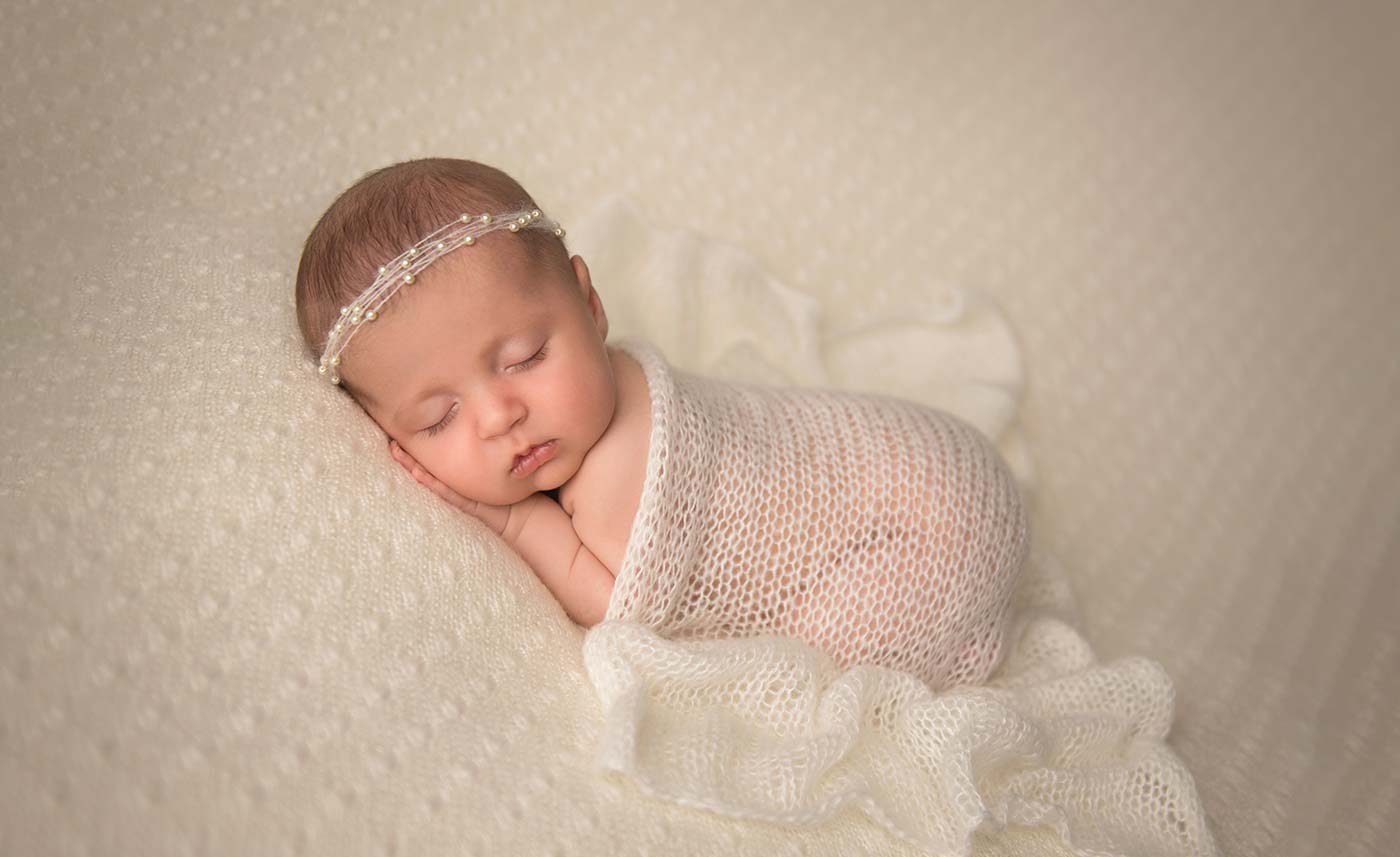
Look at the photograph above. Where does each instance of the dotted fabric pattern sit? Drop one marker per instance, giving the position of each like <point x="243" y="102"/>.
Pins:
<point x="216" y="638"/>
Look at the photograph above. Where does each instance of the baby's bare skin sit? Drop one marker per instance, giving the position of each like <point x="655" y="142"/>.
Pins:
<point x="601" y="499"/>
<point x="490" y="354"/>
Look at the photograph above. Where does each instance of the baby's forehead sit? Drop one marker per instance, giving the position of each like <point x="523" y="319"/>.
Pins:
<point x="497" y="277"/>
<point x="471" y="289"/>
<point x="499" y="254"/>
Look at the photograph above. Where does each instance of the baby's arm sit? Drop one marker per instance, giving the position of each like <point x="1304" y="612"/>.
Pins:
<point x="543" y="534"/>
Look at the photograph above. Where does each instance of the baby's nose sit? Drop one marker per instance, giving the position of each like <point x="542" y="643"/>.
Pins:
<point x="499" y="416"/>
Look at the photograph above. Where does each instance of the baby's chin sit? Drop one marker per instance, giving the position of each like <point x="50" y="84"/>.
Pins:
<point x="517" y="492"/>
<point x="549" y="477"/>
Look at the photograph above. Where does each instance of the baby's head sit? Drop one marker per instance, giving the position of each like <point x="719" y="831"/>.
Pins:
<point x="493" y="348"/>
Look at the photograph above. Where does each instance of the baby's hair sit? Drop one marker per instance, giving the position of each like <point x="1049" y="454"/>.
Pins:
<point x="389" y="210"/>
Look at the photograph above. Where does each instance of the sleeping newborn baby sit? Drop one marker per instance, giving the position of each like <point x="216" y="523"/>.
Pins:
<point x="877" y="530"/>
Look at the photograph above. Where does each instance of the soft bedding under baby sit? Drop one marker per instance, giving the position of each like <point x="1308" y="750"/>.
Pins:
<point x="226" y="629"/>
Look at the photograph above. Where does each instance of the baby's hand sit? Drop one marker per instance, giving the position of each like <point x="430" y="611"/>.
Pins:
<point x="495" y="516"/>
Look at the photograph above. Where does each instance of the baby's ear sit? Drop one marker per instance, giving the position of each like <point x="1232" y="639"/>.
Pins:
<point x="591" y="297"/>
<point x="600" y="316"/>
<point x="582" y="277"/>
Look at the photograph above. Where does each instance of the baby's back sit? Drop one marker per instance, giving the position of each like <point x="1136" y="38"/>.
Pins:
<point x="876" y="529"/>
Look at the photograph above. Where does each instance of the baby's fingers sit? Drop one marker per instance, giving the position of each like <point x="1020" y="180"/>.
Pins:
<point x="452" y="497"/>
<point x="409" y="463"/>
<point x="402" y="457"/>
<point x="427" y="479"/>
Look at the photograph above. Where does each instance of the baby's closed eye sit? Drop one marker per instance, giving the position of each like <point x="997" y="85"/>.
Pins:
<point x="447" y="418"/>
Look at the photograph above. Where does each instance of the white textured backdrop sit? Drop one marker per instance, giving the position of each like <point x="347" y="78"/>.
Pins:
<point x="1190" y="212"/>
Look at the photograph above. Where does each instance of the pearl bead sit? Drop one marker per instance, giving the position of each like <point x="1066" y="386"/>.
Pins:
<point x="383" y="285"/>
<point x="335" y="379"/>
<point x="335" y="361"/>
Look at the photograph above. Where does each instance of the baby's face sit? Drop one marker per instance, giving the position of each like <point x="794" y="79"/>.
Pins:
<point x="472" y="370"/>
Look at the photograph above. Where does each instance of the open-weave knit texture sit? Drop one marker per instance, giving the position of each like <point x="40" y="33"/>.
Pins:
<point x="807" y="570"/>
<point x="876" y="529"/>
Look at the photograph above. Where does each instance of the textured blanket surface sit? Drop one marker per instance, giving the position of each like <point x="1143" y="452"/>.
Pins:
<point x="229" y="624"/>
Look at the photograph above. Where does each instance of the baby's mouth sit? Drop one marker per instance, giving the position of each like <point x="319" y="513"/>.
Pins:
<point x="535" y="456"/>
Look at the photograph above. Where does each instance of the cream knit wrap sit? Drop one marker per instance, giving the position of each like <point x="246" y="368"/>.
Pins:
<point x="876" y="529"/>
<point x="829" y="600"/>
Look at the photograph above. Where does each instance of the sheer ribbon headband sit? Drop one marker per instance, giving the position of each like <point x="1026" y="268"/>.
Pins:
<point x="402" y="269"/>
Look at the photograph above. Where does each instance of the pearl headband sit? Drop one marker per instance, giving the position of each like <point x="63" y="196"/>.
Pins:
<point x="401" y="270"/>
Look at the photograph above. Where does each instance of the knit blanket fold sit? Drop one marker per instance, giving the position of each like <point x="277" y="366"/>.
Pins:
<point x="830" y="599"/>
<point x="807" y="570"/>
